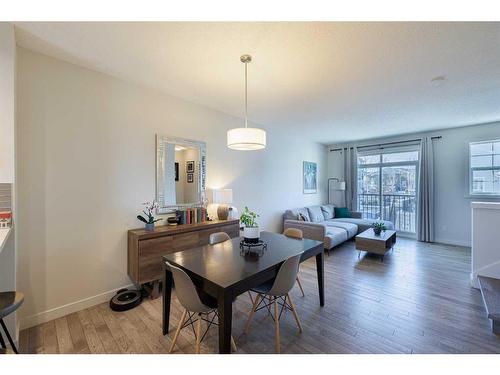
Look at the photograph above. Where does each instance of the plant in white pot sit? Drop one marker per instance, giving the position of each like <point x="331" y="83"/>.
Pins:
<point x="251" y="228"/>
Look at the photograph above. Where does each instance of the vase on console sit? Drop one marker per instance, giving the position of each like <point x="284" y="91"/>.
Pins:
<point x="148" y="219"/>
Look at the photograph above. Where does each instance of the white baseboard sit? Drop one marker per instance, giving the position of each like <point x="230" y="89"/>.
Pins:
<point x="474" y="282"/>
<point x="57" y="312"/>
<point x="447" y="241"/>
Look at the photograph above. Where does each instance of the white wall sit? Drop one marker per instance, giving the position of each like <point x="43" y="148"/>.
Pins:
<point x="7" y="131"/>
<point x="7" y="100"/>
<point x="451" y="177"/>
<point x="87" y="161"/>
<point x="485" y="241"/>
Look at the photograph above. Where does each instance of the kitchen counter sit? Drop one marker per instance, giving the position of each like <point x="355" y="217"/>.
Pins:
<point x="4" y="234"/>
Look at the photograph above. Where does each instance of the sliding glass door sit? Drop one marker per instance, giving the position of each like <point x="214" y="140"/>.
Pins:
<point x="387" y="187"/>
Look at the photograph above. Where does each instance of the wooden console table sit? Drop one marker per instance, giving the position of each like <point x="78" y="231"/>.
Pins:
<point x="145" y="248"/>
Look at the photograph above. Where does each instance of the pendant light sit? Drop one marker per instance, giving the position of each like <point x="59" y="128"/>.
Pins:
<point x="246" y="138"/>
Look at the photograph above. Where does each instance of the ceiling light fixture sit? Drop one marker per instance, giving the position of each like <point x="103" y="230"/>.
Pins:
<point x="246" y="139"/>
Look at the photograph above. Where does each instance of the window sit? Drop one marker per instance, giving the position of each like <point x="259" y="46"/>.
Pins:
<point x="484" y="162"/>
<point x="387" y="186"/>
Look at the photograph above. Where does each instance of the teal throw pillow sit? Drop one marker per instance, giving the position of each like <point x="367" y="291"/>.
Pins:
<point x="341" y="212"/>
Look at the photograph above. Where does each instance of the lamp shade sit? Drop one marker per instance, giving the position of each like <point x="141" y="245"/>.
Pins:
<point x="246" y="139"/>
<point x="223" y="196"/>
<point x="337" y="185"/>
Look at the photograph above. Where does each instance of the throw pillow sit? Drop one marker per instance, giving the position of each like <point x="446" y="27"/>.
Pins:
<point x="315" y="214"/>
<point x="302" y="217"/>
<point x="304" y="213"/>
<point x="328" y="211"/>
<point x="342" y="212"/>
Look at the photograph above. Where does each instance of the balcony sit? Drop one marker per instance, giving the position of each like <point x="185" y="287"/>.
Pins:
<point x="401" y="209"/>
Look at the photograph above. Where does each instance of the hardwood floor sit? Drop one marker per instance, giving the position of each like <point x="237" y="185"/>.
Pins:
<point x="417" y="301"/>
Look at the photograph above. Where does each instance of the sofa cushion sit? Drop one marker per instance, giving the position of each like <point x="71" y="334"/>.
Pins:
<point x="341" y="212"/>
<point x="294" y="214"/>
<point x="364" y="224"/>
<point x="350" y="228"/>
<point x="315" y="214"/>
<point x="334" y="236"/>
<point x="328" y="211"/>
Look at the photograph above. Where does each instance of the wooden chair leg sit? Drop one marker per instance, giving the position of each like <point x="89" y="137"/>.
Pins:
<point x="294" y="311"/>
<point x="178" y="330"/>
<point x="198" y="334"/>
<point x="300" y="286"/>
<point x="250" y="295"/>
<point x="233" y="344"/>
<point x="250" y="316"/>
<point x="277" y="325"/>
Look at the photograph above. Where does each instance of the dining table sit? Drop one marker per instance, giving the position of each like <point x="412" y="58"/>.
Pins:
<point x="225" y="271"/>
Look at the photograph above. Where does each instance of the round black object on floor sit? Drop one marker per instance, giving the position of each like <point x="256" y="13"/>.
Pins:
<point x="125" y="300"/>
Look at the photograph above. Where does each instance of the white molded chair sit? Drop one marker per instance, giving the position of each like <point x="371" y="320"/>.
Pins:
<point x="297" y="234"/>
<point x="194" y="308"/>
<point x="219" y="237"/>
<point x="276" y="293"/>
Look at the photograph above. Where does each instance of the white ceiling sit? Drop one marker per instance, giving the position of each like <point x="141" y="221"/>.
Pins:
<point x="330" y="81"/>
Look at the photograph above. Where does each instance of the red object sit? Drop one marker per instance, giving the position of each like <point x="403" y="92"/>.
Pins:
<point x="5" y="215"/>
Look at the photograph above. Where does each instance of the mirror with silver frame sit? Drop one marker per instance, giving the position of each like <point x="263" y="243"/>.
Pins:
<point x="180" y="173"/>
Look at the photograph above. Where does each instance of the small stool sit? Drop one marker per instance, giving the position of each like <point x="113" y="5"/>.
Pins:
<point x="9" y="302"/>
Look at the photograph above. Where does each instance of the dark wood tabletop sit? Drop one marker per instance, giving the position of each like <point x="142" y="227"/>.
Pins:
<point x="223" y="265"/>
<point x="223" y="272"/>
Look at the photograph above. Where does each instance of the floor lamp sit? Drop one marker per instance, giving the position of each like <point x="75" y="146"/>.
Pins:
<point x="335" y="184"/>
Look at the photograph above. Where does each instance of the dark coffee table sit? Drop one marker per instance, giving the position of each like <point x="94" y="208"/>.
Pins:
<point x="368" y="241"/>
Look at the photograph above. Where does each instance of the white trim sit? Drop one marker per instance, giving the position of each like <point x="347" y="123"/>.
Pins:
<point x="453" y="242"/>
<point x="58" y="312"/>
<point x="492" y="198"/>
<point x="380" y="165"/>
<point x="474" y="282"/>
<point x="4" y="235"/>
<point x="472" y="169"/>
<point x="486" y="205"/>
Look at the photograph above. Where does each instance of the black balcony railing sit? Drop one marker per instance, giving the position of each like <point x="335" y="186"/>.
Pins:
<point x="398" y="208"/>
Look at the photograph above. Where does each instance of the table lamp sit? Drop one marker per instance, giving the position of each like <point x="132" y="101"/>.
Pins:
<point x="223" y="197"/>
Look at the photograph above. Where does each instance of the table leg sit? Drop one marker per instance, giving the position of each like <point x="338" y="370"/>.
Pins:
<point x="321" y="277"/>
<point x="225" y="311"/>
<point x="167" y="296"/>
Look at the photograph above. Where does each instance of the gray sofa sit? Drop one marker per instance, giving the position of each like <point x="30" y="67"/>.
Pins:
<point x="319" y="223"/>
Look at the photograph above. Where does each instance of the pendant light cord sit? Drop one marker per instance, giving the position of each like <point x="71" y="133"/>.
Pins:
<point x="246" y="96"/>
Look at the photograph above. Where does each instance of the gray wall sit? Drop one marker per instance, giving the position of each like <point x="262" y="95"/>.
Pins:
<point x="451" y="177"/>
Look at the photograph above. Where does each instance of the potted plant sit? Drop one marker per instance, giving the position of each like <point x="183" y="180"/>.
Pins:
<point x="378" y="228"/>
<point x="251" y="228"/>
<point x="149" y="218"/>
